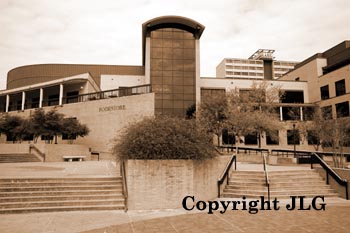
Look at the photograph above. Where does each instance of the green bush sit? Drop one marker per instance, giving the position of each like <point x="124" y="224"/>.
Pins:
<point x="164" y="138"/>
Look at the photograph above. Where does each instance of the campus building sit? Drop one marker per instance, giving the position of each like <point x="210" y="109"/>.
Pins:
<point x="260" y="65"/>
<point x="109" y="97"/>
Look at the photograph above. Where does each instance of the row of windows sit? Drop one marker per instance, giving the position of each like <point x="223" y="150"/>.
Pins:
<point x="245" y="67"/>
<point x="10" y="138"/>
<point x="173" y="65"/>
<point x="341" y="109"/>
<point x="293" y="137"/>
<point x="169" y="80"/>
<point x="172" y="33"/>
<point x="172" y="43"/>
<point x="340" y="89"/>
<point x="244" y="73"/>
<point x="172" y="53"/>
<point x="281" y="63"/>
<point x="244" y="61"/>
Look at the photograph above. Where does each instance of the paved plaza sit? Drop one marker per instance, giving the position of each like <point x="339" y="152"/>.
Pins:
<point x="334" y="219"/>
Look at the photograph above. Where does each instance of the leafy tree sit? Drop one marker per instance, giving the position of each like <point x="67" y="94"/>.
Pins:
<point x="332" y="133"/>
<point x="11" y="126"/>
<point x="243" y="112"/>
<point x="164" y="137"/>
<point x="72" y="128"/>
<point x="37" y="120"/>
<point x="53" y="124"/>
<point x="212" y="114"/>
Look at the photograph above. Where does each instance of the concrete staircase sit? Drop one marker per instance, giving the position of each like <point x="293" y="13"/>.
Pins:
<point x="60" y="194"/>
<point x="283" y="184"/>
<point x="18" y="158"/>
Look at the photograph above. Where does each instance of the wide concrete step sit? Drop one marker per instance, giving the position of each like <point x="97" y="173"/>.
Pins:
<point x="61" y="208"/>
<point x="66" y="187"/>
<point x="60" y="184"/>
<point x="60" y="180"/>
<point x="61" y="203"/>
<point x="18" y="158"/>
<point x="280" y="192"/>
<point x="76" y="197"/>
<point x="60" y="192"/>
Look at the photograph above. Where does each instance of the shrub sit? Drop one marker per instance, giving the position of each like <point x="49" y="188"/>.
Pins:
<point x="164" y="138"/>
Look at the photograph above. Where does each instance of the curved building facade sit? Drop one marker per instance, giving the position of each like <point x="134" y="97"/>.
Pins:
<point x="34" y="74"/>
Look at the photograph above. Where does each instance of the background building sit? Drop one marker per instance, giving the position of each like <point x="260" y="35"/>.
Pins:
<point x="261" y="65"/>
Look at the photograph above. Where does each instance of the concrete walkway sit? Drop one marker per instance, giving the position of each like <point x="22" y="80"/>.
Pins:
<point x="334" y="219"/>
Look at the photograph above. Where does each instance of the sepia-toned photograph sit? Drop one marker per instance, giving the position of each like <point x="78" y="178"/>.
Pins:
<point x="165" y="116"/>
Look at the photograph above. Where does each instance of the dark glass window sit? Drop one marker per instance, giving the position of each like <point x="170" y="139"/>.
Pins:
<point x="228" y="138"/>
<point x="251" y="139"/>
<point x="46" y="138"/>
<point x="173" y="70"/>
<point x="342" y="109"/>
<point x="72" y="97"/>
<point x="324" y="92"/>
<point x="312" y="138"/>
<point x="272" y="138"/>
<point x="53" y="100"/>
<point x="293" y="137"/>
<point x="292" y="97"/>
<point x="326" y="112"/>
<point x="340" y="87"/>
<point x="35" y="102"/>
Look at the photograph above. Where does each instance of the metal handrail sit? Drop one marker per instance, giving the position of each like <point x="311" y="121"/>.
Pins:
<point x="244" y="148"/>
<point x="125" y="186"/>
<point x="305" y="152"/>
<point x="42" y="154"/>
<point x="267" y="180"/>
<point x="226" y="172"/>
<point x="329" y="170"/>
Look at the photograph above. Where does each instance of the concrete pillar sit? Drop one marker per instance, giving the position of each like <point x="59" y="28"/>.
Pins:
<point x="281" y="113"/>
<point x="301" y="114"/>
<point x="23" y="100"/>
<point x="148" y="61"/>
<point x="61" y="95"/>
<point x="41" y="96"/>
<point x="7" y="103"/>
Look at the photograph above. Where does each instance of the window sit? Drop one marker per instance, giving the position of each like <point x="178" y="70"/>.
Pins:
<point x="324" y="92"/>
<point x="342" y="109"/>
<point x="272" y="138"/>
<point x="228" y="138"/>
<point x="327" y="112"/>
<point x="293" y="137"/>
<point x="72" y="97"/>
<point x="292" y="97"/>
<point x="46" y="138"/>
<point x="340" y="87"/>
<point x="312" y="138"/>
<point x="251" y="139"/>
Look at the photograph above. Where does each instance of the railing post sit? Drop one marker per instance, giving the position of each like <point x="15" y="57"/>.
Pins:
<point x="346" y="190"/>
<point x="327" y="180"/>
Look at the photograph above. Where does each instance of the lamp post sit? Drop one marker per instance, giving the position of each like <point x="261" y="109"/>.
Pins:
<point x="294" y="142"/>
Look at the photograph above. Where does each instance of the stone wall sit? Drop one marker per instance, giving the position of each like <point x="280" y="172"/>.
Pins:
<point x="106" y="118"/>
<point x="162" y="184"/>
<point x="17" y="148"/>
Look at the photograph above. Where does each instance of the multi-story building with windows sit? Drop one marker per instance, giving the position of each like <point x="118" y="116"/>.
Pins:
<point x="260" y="65"/>
<point x="328" y="77"/>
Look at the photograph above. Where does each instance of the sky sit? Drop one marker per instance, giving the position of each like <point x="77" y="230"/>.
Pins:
<point x="109" y="31"/>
